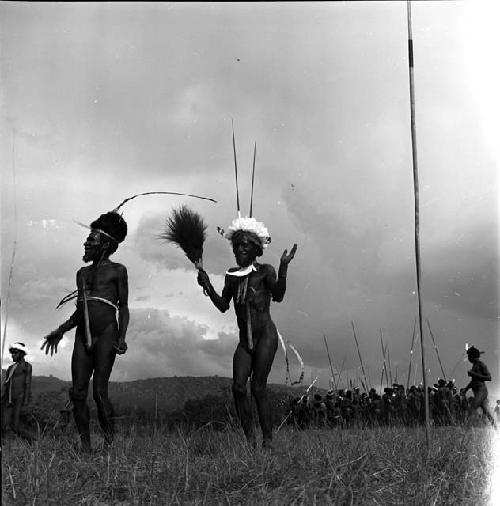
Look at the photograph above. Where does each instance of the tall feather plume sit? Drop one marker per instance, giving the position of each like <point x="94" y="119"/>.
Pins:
<point x="186" y="229"/>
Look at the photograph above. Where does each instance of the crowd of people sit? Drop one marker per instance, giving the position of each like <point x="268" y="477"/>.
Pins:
<point x="396" y="405"/>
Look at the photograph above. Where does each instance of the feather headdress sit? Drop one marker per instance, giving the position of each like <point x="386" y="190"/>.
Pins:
<point x="113" y="226"/>
<point x="246" y="223"/>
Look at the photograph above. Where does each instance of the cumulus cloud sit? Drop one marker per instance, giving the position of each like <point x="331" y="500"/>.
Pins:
<point x="325" y="96"/>
<point x="165" y="345"/>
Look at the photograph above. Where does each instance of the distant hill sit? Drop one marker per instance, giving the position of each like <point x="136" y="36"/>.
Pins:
<point x="166" y="395"/>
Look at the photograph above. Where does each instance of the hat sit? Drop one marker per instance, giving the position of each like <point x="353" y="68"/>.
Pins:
<point x="18" y="347"/>
<point x="112" y="225"/>
<point x="473" y="352"/>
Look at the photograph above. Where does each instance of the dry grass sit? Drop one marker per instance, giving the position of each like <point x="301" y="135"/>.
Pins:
<point x="341" y="467"/>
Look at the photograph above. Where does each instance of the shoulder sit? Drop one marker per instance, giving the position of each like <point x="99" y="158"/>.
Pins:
<point x="266" y="268"/>
<point x="119" y="268"/>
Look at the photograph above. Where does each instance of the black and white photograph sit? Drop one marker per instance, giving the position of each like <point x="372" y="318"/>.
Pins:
<point x="250" y="253"/>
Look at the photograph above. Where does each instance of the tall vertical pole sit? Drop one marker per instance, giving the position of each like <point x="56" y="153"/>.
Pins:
<point x="14" y="245"/>
<point x="417" y="222"/>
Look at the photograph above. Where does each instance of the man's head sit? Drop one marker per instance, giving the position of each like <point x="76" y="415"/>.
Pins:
<point x="473" y="354"/>
<point x="246" y="247"/>
<point x="106" y="233"/>
<point x="18" y="351"/>
<point x="248" y="234"/>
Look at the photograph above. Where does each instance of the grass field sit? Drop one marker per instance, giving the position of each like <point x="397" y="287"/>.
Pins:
<point x="341" y="467"/>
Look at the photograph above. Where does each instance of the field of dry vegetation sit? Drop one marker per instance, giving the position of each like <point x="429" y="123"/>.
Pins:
<point x="385" y="466"/>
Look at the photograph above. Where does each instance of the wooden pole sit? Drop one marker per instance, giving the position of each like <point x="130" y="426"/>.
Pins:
<point x="359" y="353"/>
<point x="436" y="349"/>
<point x="383" y="354"/>
<point x="14" y="246"/>
<point x="417" y="220"/>
<point x="411" y="354"/>
<point x="330" y="360"/>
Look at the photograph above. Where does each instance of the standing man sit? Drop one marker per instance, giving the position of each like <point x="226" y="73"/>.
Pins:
<point x="251" y="286"/>
<point x="101" y="320"/>
<point x="479" y="375"/>
<point x="16" y="389"/>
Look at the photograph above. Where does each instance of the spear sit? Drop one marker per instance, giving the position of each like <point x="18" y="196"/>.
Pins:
<point x="341" y="370"/>
<point x="330" y="360"/>
<point x="14" y="245"/>
<point x="359" y="353"/>
<point x="436" y="349"/>
<point x="411" y="354"/>
<point x="383" y="355"/>
<point x="389" y="362"/>
<point x="417" y="221"/>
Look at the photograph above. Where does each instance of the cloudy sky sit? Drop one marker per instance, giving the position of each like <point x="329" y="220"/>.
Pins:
<point x="102" y="101"/>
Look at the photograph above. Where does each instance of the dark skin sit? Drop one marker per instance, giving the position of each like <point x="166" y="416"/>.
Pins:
<point x="107" y="280"/>
<point x="255" y="363"/>
<point x="479" y="374"/>
<point x="17" y="393"/>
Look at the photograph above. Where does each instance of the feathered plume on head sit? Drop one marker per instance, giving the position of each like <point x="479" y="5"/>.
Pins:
<point x="186" y="229"/>
<point x="251" y="226"/>
<point x="247" y="224"/>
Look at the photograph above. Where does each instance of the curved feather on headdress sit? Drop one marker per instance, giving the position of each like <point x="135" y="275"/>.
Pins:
<point x="160" y="193"/>
<point x="187" y="230"/>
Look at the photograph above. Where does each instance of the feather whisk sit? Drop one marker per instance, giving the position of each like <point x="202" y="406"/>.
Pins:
<point x="186" y="229"/>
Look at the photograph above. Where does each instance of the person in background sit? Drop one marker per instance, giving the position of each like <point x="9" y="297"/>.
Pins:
<point x="16" y="389"/>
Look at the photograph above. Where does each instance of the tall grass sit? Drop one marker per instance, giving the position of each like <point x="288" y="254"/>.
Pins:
<point x="145" y="466"/>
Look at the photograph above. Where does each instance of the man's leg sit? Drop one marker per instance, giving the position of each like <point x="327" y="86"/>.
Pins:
<point x="82" y="363"/>
<point x="242" y="366"/>
<point x="487" y="412"/>
<point x="475" y="403"/>
<point x="262" y="361"/>
<point x="16" y="415"/>
<point x="104" y="359"/>
<point x="6" y="416"/>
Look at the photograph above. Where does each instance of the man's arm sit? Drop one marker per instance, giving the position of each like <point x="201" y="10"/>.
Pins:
<point x="27" y="384"/>
<point x="221" y="302"/>
<point x="482" y="375"/>
<point x="123" y="311"/>
<point x="277" y="286"/>
<point x="52" y="339"/>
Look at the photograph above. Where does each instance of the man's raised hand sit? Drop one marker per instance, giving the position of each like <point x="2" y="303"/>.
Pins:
<point x="286" y="257"/>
